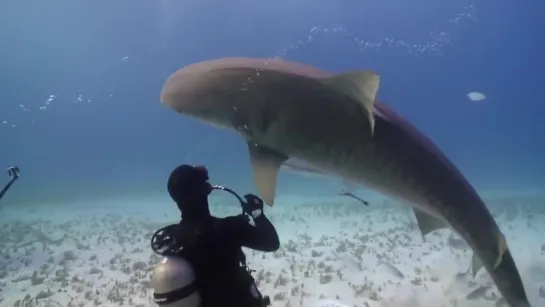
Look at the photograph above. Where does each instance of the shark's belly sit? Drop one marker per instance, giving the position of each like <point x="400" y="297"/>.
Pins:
<point x="390" y="174"/>
<point x="390" y="162"/>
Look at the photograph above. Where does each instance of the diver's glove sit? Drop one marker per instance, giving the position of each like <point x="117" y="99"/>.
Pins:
<point x="13" y="172"/>
<point x="253" y="205"/>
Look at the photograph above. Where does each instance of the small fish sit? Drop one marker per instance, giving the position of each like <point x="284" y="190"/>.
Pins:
<point x="476" y="96"/>
<point x="477" y="293"/>
<point x="351" y="195"/>
<point x="392" y="269"/>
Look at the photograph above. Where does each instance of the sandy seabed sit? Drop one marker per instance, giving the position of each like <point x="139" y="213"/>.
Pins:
<point x="334" y="253"/>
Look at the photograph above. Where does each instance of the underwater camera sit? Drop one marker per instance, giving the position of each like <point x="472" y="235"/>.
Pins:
<point x="13" y="171"/>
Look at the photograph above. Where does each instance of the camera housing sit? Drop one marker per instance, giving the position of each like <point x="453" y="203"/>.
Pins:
<point x="13" y="171"/>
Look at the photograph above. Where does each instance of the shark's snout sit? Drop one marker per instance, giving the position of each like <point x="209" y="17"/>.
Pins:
<point x="195" y="96"/>
<point x="175" y="95"/>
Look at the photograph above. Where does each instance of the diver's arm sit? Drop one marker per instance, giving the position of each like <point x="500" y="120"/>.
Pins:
<point x="262" y="237"/>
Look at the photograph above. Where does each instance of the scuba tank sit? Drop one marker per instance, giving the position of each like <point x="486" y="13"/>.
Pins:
<point x="170" y="242"/>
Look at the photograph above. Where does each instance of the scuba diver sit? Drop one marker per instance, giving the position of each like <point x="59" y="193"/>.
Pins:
<point x="204" y="265"/>
<point x="13" y="172"/>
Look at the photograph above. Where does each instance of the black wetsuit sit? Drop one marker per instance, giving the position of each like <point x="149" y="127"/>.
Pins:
<point x="218" y="260"/>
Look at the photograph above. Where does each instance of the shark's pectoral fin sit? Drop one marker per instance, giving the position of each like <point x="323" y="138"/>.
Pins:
<point x="265" y="165"/>
<point x="476" y="264"/>
<point x="427" y="223"/>
<point x="362" y="86"/>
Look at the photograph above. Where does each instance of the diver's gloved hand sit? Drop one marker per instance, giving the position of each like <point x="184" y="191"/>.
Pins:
<point x="13" y="172"/>
<point x="253" y="206"/>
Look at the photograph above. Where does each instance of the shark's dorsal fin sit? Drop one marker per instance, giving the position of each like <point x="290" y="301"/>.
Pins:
<point x="265" y="165"/>
<point x="362" y="86"/>
<point x="427" y="223"/>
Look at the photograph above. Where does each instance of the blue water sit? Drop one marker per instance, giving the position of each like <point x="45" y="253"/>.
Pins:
<point x="115" y="57"/>
<point x="80" y="82"/>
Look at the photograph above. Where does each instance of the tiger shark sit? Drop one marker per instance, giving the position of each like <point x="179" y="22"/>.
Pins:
<point x="287" y="110"/>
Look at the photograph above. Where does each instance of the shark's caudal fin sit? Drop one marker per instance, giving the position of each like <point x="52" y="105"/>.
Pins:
<point x="265" y="165"/>
<point x="362" y="86"/>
